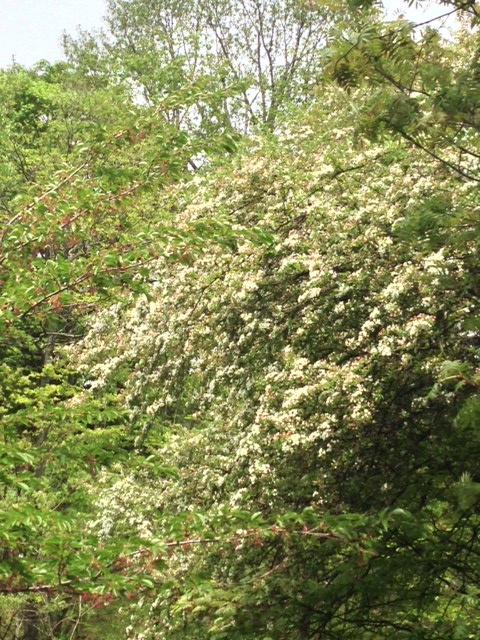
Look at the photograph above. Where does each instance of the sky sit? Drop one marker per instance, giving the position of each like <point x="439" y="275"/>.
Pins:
<point x="31" y="30"/>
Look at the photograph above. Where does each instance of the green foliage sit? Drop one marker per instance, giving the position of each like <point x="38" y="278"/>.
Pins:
<point x="418" y="89"/>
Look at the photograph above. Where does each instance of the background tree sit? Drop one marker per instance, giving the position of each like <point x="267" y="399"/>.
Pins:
<point x="267" y="52"/>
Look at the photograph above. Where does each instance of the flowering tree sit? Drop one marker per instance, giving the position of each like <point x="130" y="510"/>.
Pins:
<point x="315" y="386"/>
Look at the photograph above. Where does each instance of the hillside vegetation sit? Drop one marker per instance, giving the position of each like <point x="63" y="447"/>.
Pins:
<point x="239" y="320"/>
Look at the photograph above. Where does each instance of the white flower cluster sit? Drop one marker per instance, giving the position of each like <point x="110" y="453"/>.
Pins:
<point x="125" y="503"/>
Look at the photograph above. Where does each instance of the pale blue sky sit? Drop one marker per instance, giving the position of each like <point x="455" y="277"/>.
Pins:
<point x="31" y="30"/>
